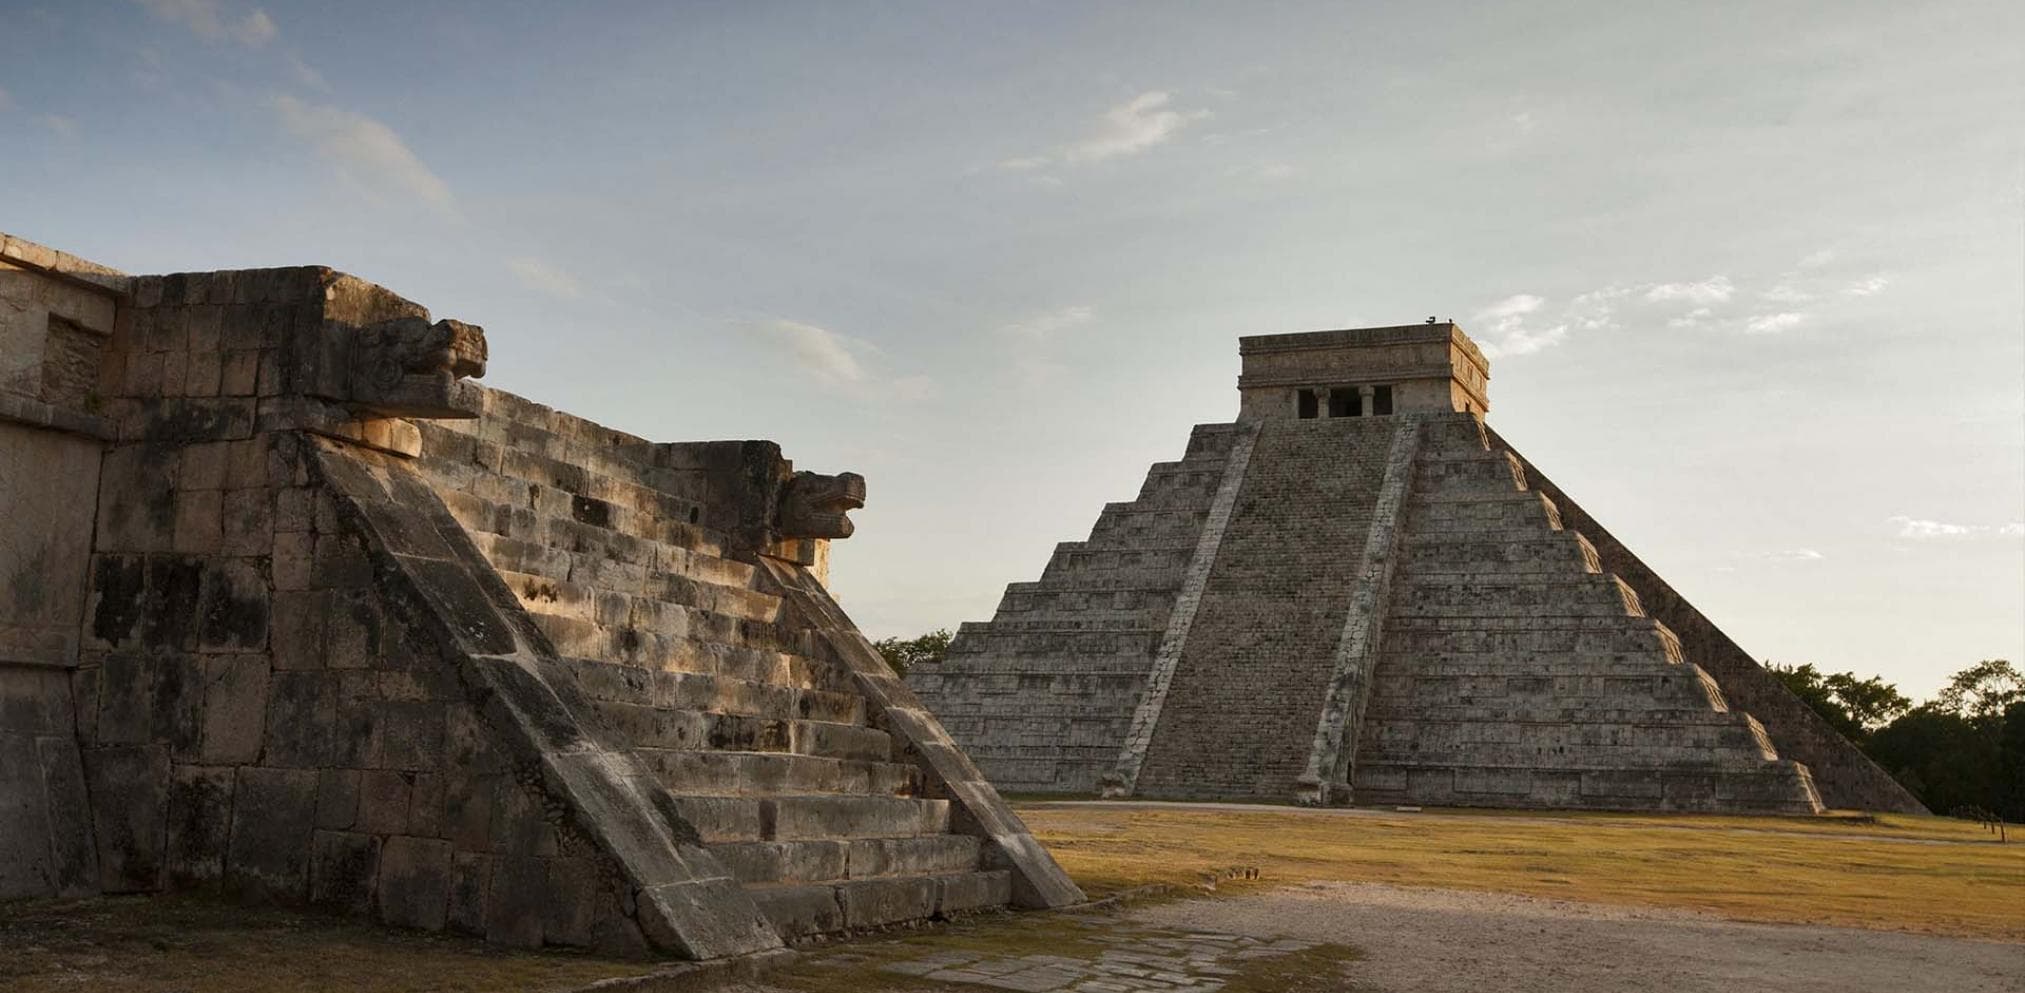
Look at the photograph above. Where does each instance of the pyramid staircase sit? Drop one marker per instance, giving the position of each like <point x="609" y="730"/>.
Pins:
<point x="1042" y="694"/>
<point x="758" y="732"/>
<point x="1515" y="672"/>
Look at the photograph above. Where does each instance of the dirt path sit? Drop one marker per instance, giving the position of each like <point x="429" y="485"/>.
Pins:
<point x="1438" y="941"/>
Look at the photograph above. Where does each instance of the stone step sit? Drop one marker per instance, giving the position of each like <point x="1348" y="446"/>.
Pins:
<point x="608" y="465"/>
<point x="666" y="603"/>
<point x="1545" y="664"/>
<point x="503" y="506"/>
<point x="1576" y="635"/>
<point x="802" y="910"/>
<point x="832" y="860"/>
<point x="1503" y="553"/>
<point x="1491" y="736"/>
<point x="1770" y="787"/>
<point x="652" y="649"/>
<point x="1489" y="471"/>
<point x="811" y="817"/>
<point x="748" y="774"/>
<point x="713" y="693"/>
<point x="992" y="639"/>
<point x="1112" y="608"/>
<point x="1531" y="511"/>
<point x="660" y="727"/>
<point x="1602" y="596"/>
<point x="1675" y="684"/>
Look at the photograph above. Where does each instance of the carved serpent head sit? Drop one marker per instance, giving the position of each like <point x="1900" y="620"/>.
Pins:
<point x="814" y="505"/>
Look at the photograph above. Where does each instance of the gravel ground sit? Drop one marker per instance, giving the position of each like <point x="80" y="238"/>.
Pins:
<point x="1438" y="941"/>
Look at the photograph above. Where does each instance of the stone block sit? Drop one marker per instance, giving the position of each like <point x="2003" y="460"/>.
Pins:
<point x="516" y="901"/>
<point x="300" y="621"/>
<point x="465" y="912"/>
<point x="199" y="824"/>
<point x="273" y="818"/>
<point x="337" y="798"/>
<point x="129" y="800"/>
<point x="415" y="882"/>
<point x="875" y="902"/>
<point x="384" y="799"/>
<point x="233" y="606"/>
<point x="199" y="521"/>
<point x="578" y="899"/>
<point x="235" y="708"/>
<point x="302" y="710"/>
<point x="344" y="868"/>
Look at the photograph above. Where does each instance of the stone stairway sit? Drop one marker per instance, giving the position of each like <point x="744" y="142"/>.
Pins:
<point x="1240" y="716"/>
<point x="1514" y="672"/>
<point x="1073" y="649"/>
<point x="741" y="710"/>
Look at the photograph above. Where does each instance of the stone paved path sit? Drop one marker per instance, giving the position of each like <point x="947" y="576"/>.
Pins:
<point x="1139" y="960"/>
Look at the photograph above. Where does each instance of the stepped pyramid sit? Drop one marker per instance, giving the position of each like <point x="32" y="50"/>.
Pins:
<point x="1358" y="592"/>
<point x="291" y="606"/>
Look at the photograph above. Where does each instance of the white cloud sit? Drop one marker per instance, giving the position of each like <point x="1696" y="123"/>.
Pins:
<point x="2013" y="530"/>
<point x="1512" y="306"/>
<point x="1815" y="260"/>
<point x="306" y="75"/>
<point x="1132" y="127"/>
<point x="1127" y="129"/>
<point x="1773" y="323"/>
<point x="1508" y="333"/>
<point x="363" y="150"/>
<point x="1796" y="555"/>
<point x="209" y="20"/>
<point x="1786" y="292"/>
<point x="1047" y="325"/>
<point x="1524" y="121"/>
<point x="833" y="360"/>
<point x="542" y="276"/>
<point x="1909" y="527"/>
<point x="1692" y="318"/>
<point x="1869" y="285"/>
<point x="1715" y="289"/>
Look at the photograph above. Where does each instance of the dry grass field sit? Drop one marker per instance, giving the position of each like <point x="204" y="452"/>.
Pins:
<point x="1916" y="874"/>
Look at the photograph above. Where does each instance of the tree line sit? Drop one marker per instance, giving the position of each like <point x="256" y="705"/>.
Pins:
<point x="1961" y="753"/>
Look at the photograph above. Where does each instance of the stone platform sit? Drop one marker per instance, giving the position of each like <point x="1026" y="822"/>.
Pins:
<point x="294" y="609"/>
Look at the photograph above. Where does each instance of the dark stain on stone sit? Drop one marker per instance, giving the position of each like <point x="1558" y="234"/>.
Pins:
<point x="590" y="510"/>
<point x="175" y="586"/>
<point x="120" y="582"/>
<point x="234" y="611"/>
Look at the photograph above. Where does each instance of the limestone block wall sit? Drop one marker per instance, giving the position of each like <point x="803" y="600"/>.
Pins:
<point x="56" y="312"/>
<point x="260" y="711"/>
<point x="296" y="612"/>
<point x="1042" y="695"/>
<point x="1845" y="777"/>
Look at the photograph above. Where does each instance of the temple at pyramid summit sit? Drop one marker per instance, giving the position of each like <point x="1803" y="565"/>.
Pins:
<point x="293" y="608"/>
<point x="1358" y="593"/>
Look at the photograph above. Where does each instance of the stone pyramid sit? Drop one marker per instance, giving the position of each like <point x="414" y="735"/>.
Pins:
<point x="294" y="608"/>
<point x="1358" y="592"/>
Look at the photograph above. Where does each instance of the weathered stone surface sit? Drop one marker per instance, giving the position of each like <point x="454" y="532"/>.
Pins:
<point x="344" y="627"/>
<point x="1367" y="595"/>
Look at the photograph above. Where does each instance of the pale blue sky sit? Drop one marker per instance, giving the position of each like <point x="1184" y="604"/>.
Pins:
<point x="1754" y="274"/>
